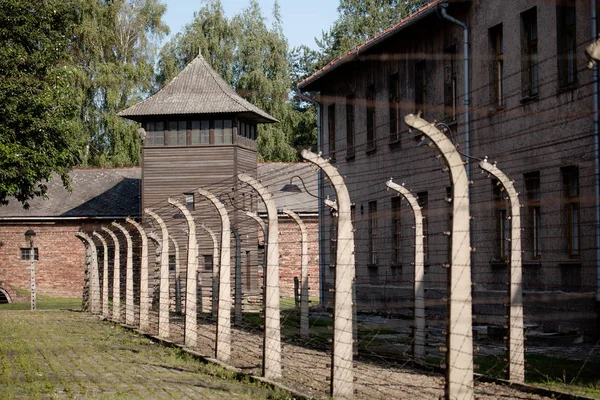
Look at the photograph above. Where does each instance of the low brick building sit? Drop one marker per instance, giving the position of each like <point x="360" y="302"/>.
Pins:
<point x="101" y="196"/>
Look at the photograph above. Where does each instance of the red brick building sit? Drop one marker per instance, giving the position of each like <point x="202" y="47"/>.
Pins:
<point x="101" y="196"/>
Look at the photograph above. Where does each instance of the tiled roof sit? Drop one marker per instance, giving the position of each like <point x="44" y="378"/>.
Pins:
<point x="115" y="193"/>
<point x="353" y="54"/>
<point x="97" y="193"/>
<point x="198" y="89"/>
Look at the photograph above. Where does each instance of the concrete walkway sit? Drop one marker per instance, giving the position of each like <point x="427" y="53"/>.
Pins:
<point x="53" y="354"/>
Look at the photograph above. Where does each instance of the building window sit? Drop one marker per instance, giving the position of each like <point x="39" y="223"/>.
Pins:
<point x="350" y="129"/>
<point x="497" y="70"/>
<point x="331" y="128"/>
<point x="420" y="88"/>
<point x="155" y="134"/>
<point x="208" y="262"/>
<point x="570" y="176"/>
<point x="397" y="230"/>
<point x="529" y="53"/>
<point x="450" y="88"/>
<point x="502" y="222"/>
<point x="565" y="33"/>
<point x="372" y="232"/>
<point x="200" y="132"/>
<point x="177" y="133"/>
<point x="371" y="120"/>
<point x="532" y="186"/>
<point x="422" y="200"/>
<point x="189" y="201"/>
<point x="394" y="91"/>
<point x="172" y="262"/>
<point x="26" y="253"/>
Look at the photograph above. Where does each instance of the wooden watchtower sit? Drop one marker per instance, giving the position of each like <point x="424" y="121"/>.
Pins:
<point x="199" y="133"/>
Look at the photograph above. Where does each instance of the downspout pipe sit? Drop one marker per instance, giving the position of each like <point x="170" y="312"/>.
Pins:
<point x="309" y="99"/>
<point x="595" y="90"/>
<point x="467" y="102"/>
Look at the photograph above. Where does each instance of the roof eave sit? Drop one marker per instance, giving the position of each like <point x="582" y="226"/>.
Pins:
<point x="309" y="84"/>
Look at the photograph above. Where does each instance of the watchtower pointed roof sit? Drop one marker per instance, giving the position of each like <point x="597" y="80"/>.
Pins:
<point x="198" y="89"/>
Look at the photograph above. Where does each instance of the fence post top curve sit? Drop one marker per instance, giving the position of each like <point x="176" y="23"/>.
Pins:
<point x="100" y="237"/>
<point x="331" y="204"/>
<point x="503" y="179"/>
<point x="84" y="236"/>
<point x="411" y="198"/>
<point x="110" y="232"/>
<point x="256" y="185"/>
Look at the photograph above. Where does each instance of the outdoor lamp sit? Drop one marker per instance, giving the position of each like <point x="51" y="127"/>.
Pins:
<point x="292" y="188"/>
<point x="29" y="237"/>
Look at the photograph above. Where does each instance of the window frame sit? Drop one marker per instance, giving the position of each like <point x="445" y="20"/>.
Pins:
<point x="331" y="131"/>
<point x="372" y="233"/>
<point x="533" y="190"/>
<point x="394" y="107"/>
<point x="350" y="128"/>
<point x="370" y="98"/>
<point x="420" y="87"/>
<point x="496" y="36"/>
<point x="571" y="189"/>
<point x="450" y="85"/>
<point x="566" y="35"/>
<point x="25" y="253"/>
<point x="396" y="238"/>
<point x="529" y="54"/>
<point x="423" y="201"/>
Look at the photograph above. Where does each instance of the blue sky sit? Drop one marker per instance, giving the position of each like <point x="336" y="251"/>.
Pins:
<point x="302" y="19"/>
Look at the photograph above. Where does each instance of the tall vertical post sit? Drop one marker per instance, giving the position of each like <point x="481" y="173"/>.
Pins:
<point x="163" y="306"/>
<point x="516" y="347"/>
<point x="116" y="298"/>
<point x="223" y="338"/>
<point x="215" y="270"/>
<point x="33" y="287"/>
<point x="303" y="272"/>
<point x="191" y="310"/>
<point x="104" y="274"/>
<point x="459" y="355"/>
<point x="272" y="335"/>
<point x="94" y="277"/>
<point x="418" y="284"/>
<point x="144" y="292"/>
<point x="129" y="316"/>
<point x="263" y="227"/>
<point x="237" y="303"/>
<point x="177" y="275"/>
<point x="342" y="376"/>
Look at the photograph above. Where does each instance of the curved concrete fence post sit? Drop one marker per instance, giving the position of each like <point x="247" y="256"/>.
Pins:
<point x="191" y="310"/>
<point x="163" y="304"/>
<point x="303" y="272"/>
<point x="144" y="292"/>
<point x="272" y="335"/>
<point x="223" y="336"/>
<point x="177" y="275"/>
<point x="116" y="298"/>
<point x="418" y="283"/>
<point x="104" y="274"/>
<point x="129" y="314"/>
<point x="459" y="355"/>
<point x="516" y="347"/>
<point x="94" y="274"/>
<point x="342" y="375"/>
<point x="215" y="271"/>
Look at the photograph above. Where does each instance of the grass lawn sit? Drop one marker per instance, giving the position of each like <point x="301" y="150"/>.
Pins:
<point x="43" y="303"/>
<point x="59" y="354"/>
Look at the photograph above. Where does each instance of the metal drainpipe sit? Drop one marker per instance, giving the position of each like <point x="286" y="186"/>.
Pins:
<point x="309" y="99"/>
<point x="595" y="90"/>
<point x="467" y="89"/>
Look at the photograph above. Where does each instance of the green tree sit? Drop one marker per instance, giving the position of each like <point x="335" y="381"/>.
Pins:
<point x="251" y="57"/>
<point x="358" y="21"/>
<point x="115" y="49"/>
<point x="39" y="132"/>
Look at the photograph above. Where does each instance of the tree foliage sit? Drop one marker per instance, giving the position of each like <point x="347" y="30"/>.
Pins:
<point x="253" y="58"/>
<point x="114" y="50"/>
<point x="39" y="133"/>
<point x="359" y="20"/>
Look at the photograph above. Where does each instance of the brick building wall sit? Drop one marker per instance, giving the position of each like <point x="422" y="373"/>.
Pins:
<point x="60" y="268"/>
